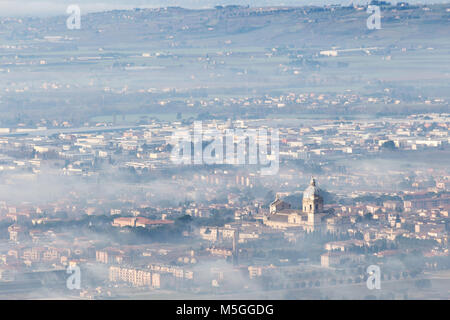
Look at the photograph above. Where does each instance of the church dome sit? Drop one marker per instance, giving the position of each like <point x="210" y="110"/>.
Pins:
<point x="312" y="190"/>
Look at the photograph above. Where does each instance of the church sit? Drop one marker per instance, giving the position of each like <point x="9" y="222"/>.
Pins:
<point x="310" y="218"/>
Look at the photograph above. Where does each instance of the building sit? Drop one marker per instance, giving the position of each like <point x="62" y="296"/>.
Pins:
<point x="16" y="233"/>
<point x="136" y="277"/>
<point x="139" y="222"/>
<point x="310" y="218"/>
<point x="334" y="259"/>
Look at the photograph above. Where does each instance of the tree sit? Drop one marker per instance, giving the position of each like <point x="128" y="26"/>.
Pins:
<point x="388" y="145"/>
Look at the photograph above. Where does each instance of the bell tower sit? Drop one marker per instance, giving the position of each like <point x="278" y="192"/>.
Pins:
<point x="312" y="199"/>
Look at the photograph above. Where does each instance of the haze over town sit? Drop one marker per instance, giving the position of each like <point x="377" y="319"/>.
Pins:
<point x="135" y="150"/>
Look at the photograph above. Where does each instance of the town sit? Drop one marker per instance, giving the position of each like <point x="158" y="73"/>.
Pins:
<point x="89" y="182"/>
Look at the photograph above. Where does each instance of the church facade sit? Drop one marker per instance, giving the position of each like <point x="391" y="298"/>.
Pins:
<point x="310" y="218"/>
